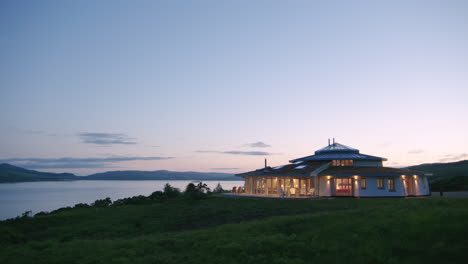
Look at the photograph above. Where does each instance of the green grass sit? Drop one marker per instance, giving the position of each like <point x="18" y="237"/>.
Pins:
<point x="227" y="230"/>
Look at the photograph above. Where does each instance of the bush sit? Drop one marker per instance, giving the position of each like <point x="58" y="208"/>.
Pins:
<point x="26" y="214"/>
<point x="218" y="188"/>
<point x="102" y="203"/>
<point x="41" y="213"/>
<point x="170" y="191"/>
<point x="81" y="205"/>
<point x="140" y="199"/>
<point x="158" y="196"/>
<point x="199" y="191"/>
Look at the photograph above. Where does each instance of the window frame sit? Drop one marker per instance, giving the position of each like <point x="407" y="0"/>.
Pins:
<point x="380" y="180"/>
<point x="363" y="183"/>
<point x="391" y="187"/>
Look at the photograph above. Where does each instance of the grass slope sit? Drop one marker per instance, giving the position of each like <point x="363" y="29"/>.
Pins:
<point x="227" y="230"/>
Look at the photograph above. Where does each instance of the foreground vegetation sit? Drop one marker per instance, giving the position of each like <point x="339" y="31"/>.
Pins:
<point x="187" y="228"/>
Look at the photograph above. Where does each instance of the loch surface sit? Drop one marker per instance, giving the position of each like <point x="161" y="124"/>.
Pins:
<point x="17" y="198"/>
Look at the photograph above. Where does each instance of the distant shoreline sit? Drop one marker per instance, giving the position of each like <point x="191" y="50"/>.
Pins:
<point x="240" y="179"/>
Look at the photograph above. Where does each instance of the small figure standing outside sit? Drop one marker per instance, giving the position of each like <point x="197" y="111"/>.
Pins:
<point x="281" y="192"/>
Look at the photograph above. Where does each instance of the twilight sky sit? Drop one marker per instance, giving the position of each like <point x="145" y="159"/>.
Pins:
<point x="90" y="86"/>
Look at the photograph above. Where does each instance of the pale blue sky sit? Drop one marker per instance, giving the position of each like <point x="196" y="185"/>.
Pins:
<point x="188" y="85"/>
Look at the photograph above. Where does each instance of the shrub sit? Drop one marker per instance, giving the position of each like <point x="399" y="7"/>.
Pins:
<point x="170" y="191"/>
<point x="218" y="188"/>
<point x="158" y="196"/>
<point x="81" y="205"/>
<point x="199" y="191"/>
<point x="102" y="203"/>
<point x="26" y="214"/>
<point x="41" y="213"/>
<point x="140" y="199"/>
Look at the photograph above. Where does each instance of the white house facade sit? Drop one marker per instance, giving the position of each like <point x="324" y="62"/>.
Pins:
<point x="336" y="171"/>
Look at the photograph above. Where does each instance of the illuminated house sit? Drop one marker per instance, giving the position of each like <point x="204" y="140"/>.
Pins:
<point x="336" y="170"/>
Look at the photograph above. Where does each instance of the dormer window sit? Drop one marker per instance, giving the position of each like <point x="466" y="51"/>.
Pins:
<point x="342" y="163"/>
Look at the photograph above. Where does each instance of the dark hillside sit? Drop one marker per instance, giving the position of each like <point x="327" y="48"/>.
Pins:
<point x="10" y="173"/>
<point x="161" y="175"/>
<point x="451" y="176"/>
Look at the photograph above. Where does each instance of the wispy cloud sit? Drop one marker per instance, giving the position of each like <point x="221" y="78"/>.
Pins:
<point x="74" y="163"/>
<point x="453" y="157"/>
<point x="106" y="138"/>
<point x="258" y="144"/>
<point x="34" y="132"/>
<point x="251" y="153"/>
<point x="415" y="151"/>
<point x="385" y="144"/>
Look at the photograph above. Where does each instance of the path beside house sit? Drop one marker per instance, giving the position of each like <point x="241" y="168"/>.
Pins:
<point x="463" y="194"/>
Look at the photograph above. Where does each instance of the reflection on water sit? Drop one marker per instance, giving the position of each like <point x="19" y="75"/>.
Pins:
<point x="17" y="198"/>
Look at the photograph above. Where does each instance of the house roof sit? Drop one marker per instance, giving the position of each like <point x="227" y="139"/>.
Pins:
<point x="292" y="170"/>
<point x="298" y="169"/>
<point x="368" y="171"/>
<point x="337" y="151"/>
<point x="336" y="147"/>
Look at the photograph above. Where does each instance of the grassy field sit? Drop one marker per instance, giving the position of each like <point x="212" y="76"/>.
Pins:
<point x="229" y="230"/>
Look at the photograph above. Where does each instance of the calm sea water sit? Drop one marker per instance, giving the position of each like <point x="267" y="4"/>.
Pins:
<point x="17" y="198"/>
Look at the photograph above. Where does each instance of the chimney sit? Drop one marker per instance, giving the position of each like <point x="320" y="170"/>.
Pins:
<point x="328" y="142"/>
<point x="333" y="141"/>
<point x="265" y="163"/>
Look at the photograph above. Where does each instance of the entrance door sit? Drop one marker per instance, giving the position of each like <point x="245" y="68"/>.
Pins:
<point x="343" y="187"/>
<point x="409" y="186"/>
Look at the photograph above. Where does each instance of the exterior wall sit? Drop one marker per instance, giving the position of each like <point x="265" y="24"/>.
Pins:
<point x="279" y="186"/>
<point x="420" y="187"/>
<point x="367" y="163"/>
<point x="417" y="186"/>
<point x="324" y="186"/>
<point x="373" y="191"/>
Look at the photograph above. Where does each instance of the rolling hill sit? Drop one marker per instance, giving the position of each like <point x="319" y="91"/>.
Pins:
<point x="161" y="175"/>
<point x="10" y="173"/>
<point x="452" y="176"/>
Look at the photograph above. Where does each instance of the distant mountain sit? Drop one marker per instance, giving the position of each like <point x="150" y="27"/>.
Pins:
<point x="451" y="176"/>
<point x="10" y="173"/>
<point x="161" y="175"/>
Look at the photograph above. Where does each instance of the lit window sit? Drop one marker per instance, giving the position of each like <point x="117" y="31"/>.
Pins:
<point x="363" y="183"/>
<point x="342" y="163"/>
<point x="391" y="184"/>
<point x="380" y="183"/>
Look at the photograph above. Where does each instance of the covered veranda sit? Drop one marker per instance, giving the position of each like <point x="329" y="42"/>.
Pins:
<point x="283" y="186"/>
